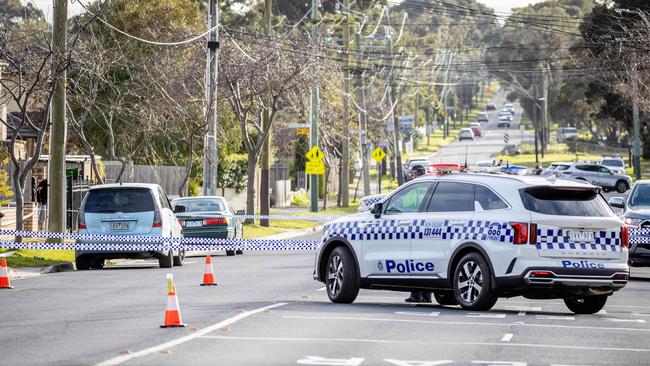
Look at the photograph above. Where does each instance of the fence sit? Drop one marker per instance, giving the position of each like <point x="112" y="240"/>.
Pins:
<point x="75" y="192"/>
<point x="169" y="178"/>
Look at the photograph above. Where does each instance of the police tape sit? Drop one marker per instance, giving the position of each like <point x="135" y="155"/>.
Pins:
<point x="638" y="235"/>
<point x="316" y="218"/>
<point x="150" y="243"/>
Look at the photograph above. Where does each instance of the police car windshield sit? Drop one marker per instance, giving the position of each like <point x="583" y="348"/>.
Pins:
<point x="613" y="162"/>
<point x="565" y="201"/>
<point x="641" y="195"/>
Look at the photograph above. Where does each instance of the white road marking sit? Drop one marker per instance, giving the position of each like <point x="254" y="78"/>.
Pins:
<point x="163" y="346"/>
<point x="499" y="363"/>
<point x="317" y="360"/>
<point x="322" y="288"/>
<point x="417" y="363"/>
<point x="412" y="342"/>
<point x="524" y="308"/>
<point x="417" y="313"/>
<point x="506" y="324"/>
<point x="507" y="337"/>
<point x="554" y="317"/>
<point x="486" y="315"/>
<point x="522" y="313"/>
<point x="562" y="304"/>
<point x="602" y="312"/>
<point x="625" y="320"/>
<point x="640" y="314"/>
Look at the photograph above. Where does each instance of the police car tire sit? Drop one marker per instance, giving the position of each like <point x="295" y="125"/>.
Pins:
<point x="346" y="290"/>
<point x="587" y="304"/>
<point x="166" y="261"/>
<point x="621" y="186"/>
<point x="486" y="298"/>
<point x="445" y="297"/>
<point x="97" y="263"/>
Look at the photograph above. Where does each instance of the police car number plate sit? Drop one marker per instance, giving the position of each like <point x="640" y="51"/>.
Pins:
<point x="118" y="226"/>
<point x="581" y="236"/>
<point x="193" y="223"/>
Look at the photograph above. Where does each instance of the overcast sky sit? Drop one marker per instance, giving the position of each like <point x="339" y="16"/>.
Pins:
<point x="500" y="6"/>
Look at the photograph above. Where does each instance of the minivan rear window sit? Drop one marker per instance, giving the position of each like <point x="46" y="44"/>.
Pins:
<point x="111" y="200"/>
<point x="565" y="201"/>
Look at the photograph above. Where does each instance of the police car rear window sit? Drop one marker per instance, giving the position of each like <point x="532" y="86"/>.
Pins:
<point x="565" y="201"/>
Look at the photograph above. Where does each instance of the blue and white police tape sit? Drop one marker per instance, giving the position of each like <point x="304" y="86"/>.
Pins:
<point x="316" y="218"/>
<point x="150" y="243"/>
<point x="637" y="235"/>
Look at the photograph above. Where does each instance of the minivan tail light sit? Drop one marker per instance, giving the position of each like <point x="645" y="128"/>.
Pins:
<point x="533" y="234"/>
<point x="81" y="219"/>
<point x="217" y="221"/>
<point x="520" y="232"/>
<point x="625" y="237"/>
<point x="157" y="220"/>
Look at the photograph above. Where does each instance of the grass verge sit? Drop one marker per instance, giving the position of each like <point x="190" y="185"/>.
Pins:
<point x="39" y="258"/>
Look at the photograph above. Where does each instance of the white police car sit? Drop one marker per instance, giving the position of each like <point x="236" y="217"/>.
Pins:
<point x="471" y="238"/>
<point x="598" y="175"/>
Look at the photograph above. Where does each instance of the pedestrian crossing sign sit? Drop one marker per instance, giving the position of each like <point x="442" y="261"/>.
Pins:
<point x="315" y="154"/>
<point x="378" y="154"/>
<point x="315" y="167"/>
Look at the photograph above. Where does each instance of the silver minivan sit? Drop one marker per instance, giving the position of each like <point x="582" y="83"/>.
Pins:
<point x="129" y="209"/>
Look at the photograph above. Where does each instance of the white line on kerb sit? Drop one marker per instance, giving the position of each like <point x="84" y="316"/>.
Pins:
<point x="163" y="346"/>
<point x="322" y="288"/>
<point x="507" y="337"/>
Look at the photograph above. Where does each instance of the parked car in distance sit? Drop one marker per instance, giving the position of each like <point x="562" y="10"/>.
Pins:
<point x="504" y="122"/>
<point x="564" y="134"/>
<point x="636" y="213"/>
<point x="126" y="209"/>
<point x="476" y="130"/>
<point x="466" y="134"/>
<point x="482" y="117"/>
<point x="209" y="217"/>
<point x="412" y="163"/>
<point x="514" y="169"/>
<point x="614" y="163"/>
<point x="490" y="107"/>
<point x="486" y="166"/>
<point x="556" y="168"/>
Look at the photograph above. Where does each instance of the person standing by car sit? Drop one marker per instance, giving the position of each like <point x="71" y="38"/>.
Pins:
<point x="41" y="199"/>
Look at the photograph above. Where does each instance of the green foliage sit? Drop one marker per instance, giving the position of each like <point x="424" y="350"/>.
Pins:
<point x="300" y="198"/>
<point x="5" y="188"/>
<point x="232" y="172"/>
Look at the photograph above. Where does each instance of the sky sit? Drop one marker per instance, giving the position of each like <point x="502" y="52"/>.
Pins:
<point x="499" y="6"/>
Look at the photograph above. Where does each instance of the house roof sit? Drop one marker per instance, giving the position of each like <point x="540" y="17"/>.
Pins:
<point x="25" y="131"/>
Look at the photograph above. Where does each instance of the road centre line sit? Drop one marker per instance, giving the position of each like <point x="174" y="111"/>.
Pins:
<point x="201" y="332"/>
<point x="391" y="341"/>
<point x="388" y="320"/>
<point x="507" y="337"/>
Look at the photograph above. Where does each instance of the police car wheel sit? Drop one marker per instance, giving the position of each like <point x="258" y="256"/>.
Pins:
<point x="473" y="283"/>
<point x="621" y="186"/>
<point x="445" y="297"/>
<point x="341" y="276"/>
<point x="586" y="304"/>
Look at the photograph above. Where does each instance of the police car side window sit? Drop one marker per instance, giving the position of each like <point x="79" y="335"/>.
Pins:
<point x="488" y="199"/>
<point x="452" y="197"/>
<point x="408" y="199"/>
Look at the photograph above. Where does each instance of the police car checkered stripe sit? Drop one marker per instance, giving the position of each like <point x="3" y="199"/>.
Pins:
<point x="639" y="235"/>
<point x="558" y="239"/>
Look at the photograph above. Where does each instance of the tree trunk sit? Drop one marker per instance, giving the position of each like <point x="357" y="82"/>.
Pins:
<point x="250" y="186"/>
<point x="19" y="193"/>
<point x="188" y="171"/>
<point x="119" y="176"/>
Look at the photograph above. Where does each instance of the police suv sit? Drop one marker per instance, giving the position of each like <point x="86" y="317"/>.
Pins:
<point x="599" y="175"/>
<point x="471" y="238"/>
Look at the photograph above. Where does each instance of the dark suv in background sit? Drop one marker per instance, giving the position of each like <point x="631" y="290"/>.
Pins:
<point x="636" y="213"/>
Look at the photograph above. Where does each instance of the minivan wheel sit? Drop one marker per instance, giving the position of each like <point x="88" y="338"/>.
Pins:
<point x="445" y="297"/>
<point x="586" y="304"/>
<point x="180" y="258"/>
<point x="341" y="276"/>
<point x="166" y="261"/>
<point x="97" y="263"/>
<point x="472" y="283"/>
<point x="621" y="186"/>
<point x="230" y="253"/>
<point x="82" y="263"/>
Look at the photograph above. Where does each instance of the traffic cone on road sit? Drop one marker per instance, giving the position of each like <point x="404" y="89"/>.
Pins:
<point x="4" y="274"/>
<point x="172" y="312"/>
<point x="208" y="275"/>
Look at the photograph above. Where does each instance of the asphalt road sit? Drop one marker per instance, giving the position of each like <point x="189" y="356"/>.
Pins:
<point x="267" y="310"/>
<point x="487" y="146"/>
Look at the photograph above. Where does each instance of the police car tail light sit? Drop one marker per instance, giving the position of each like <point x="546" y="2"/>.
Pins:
<point x="217" y="221"/>
<point x="533" y="234"/>
<point x="520" y="232"/>
<point x="625" y="237"/>
<point x="541" y="274"/>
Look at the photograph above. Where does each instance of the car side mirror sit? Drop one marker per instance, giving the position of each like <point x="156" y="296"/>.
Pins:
<point x="377" y="209"/>
<point x="240" y="213"/>
<point x="618" y="202"/>
<point x="179" y="209"/>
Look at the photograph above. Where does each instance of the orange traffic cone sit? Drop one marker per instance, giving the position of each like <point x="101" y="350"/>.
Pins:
<point x="208" y="275"/>
<point x="4" y="274"/>
<point x="172" y="312"/>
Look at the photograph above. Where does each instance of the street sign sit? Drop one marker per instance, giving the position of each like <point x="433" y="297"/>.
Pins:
<point x="299" y="125"/>
<point x="406" y="123"/>
<point x="303" y="131"/>
<point x="506" y="137"/>
<point x="315" y="167"/>
<point x="315" y="154"/>
<point x="360" y="132"/>
<point x="378" y="154"/>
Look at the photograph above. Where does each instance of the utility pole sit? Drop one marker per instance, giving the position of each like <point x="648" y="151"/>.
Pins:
<point x="314" y="111"/>
<point x="399" y="171"/>
<point x="428" y="116"/>
<point x="345" y="164"/>
<point x="361" y="102"/>
<point x="544" y="137"/>
<point x="210" y="150"/>
<point x="535" y="122"/>
<point x="636" y="141"/>
<point x="266" y="146"/>
<point x="56" y="171"/>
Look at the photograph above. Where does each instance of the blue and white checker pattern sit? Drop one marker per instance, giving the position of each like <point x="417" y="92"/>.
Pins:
<point x="639" y="235"/>
<point x="392" y="230"/>
<point x="369" y="201"/>
<point x="558" y="239"/>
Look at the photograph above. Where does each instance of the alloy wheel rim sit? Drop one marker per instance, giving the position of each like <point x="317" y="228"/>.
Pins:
<point x="470" y="282"/>
<point x="335" y="275"/>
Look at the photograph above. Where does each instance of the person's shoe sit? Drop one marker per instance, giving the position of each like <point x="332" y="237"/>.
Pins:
<point x="415" y="297"/>
<point x="426" y="297"/>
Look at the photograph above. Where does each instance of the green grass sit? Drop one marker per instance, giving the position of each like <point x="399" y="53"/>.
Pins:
<point x="554" y="153"/>
<point x="39" y="258"/>
<point x="256" y="231"/>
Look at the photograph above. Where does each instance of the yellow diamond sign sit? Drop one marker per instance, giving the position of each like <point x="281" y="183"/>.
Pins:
<point x="315" y="167"/>
<point x="378" y="154"/>
<point x="315" y="154"/>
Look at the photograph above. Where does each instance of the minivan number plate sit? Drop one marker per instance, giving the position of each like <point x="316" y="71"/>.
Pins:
<point x="117" y="226"/>
<point x="581" y="236"/>
<point x="193" y="223"/>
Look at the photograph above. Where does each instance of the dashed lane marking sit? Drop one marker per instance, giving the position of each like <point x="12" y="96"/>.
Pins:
<point x="521" y="313"/>
<point x="319" y="340"/>
<point x="625" y="320"/>
<point x="417" y="313"/>
<point x="202" y="332"/>
<point x="523" y="308"/>
<point x="554" y="317"/>
<point x="507" y="337"/>
<point x="486" y="315"/>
